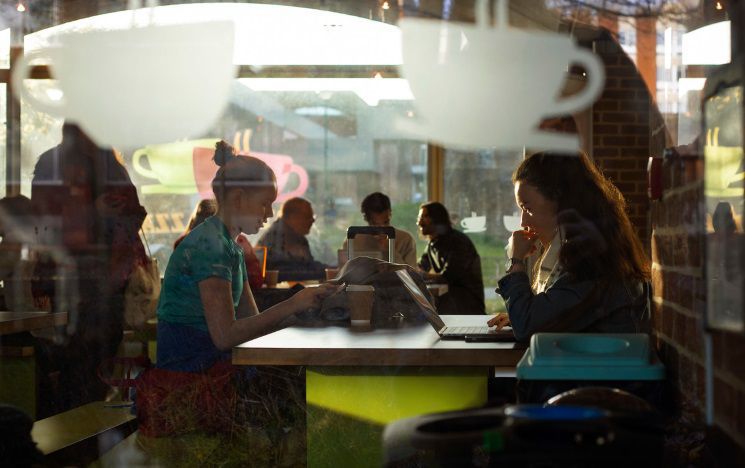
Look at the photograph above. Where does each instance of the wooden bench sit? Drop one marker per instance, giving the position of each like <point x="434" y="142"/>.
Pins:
<point x="81" y="435"/>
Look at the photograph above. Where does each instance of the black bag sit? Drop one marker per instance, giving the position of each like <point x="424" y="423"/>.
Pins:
<point x="393" y="303"/>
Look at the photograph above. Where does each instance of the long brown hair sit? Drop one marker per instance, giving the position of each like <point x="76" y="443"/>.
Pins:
<point x="599" y="240"/>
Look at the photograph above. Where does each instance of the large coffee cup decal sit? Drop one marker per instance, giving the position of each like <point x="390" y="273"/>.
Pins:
<point x="187" y="167"/>
<point x="478" y="86"/>
<point x="282" y="165"/>
<point x="133" y="87"/>
<point x="168" y="168"/>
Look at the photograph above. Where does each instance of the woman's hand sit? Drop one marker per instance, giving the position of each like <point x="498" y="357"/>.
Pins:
<point x="523" y="244"/>
<point x="499" y="321"/>
<point x="311" y="298"/>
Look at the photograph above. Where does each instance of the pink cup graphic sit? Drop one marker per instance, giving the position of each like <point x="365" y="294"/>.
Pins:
<point x="282" y="165"/>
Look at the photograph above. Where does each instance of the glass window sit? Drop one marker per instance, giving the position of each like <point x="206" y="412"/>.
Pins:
<point x="39" y="131"/>
<point x="331" y="141"/>
<point x="480" y="198"/>
<point x="5" y="48"/>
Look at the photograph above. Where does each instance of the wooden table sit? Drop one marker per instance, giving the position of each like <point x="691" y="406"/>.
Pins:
<point x="357" y="382"/>
<point x="16" y="322"/>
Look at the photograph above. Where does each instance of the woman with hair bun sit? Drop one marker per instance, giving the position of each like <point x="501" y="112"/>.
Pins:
<point x="592" y="274"/>
<point x="206" y="306"/>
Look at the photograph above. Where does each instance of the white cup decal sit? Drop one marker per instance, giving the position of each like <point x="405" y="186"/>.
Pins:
<point x="511" y="222"/>
<point x="139" y="86"/>
<point x="478" y="86"/>
<point x="474" y="223"/>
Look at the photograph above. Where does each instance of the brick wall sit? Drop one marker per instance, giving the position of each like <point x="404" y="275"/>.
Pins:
<point x="621" y="129"/>
<point x="627" y="129"/>
<point x="679" y="307"/>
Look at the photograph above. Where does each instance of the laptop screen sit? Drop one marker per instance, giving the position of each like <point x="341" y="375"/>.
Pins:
<point x="425" y="306"/>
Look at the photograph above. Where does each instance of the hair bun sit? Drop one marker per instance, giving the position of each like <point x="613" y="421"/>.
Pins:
<point x="223" y="153"/>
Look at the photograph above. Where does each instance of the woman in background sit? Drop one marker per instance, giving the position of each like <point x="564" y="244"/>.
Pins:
<point x="204" y="209"/>
<point x="592" y="274"/>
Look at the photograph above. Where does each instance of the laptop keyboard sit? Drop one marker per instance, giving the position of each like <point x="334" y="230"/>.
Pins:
<point x="468" y="331"/>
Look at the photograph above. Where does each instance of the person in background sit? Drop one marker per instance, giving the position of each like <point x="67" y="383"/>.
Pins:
<point x="592" y="274"/>
<point x="253" y="266"/>
<point x="287" y="246"/>
<point x="206" y="306"/>
<point x="450" y="257"/>
<point x="204" y="209"/>
<point x="88" y="222"/>
<point x="376" y="209"/>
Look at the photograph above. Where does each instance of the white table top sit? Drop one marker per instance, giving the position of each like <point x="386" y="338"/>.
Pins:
<point x="408" y="346"/>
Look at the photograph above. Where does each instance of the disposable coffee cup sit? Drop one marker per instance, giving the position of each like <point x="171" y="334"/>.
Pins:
<point x="270" y="278"/>
<point x="361" y="298"/>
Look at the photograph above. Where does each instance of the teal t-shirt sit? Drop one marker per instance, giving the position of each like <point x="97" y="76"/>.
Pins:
<point x="207" y="251"/>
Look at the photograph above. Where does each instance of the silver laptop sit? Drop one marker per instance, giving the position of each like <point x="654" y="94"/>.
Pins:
<point x="451" y="333"/>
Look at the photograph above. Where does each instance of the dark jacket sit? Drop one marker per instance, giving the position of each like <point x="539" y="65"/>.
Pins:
<point x="289" y="252"/>
<point x="454" y="256"/>
<point x="569" y="305"/>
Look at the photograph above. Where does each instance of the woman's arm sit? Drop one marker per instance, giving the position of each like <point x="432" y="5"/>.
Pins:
<point x="531" y="313"/>
<point x="227" y="332"/>
<point x="247" y="305"/>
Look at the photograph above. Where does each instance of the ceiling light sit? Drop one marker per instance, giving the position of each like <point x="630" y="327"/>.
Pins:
<point x="370" y="90"/>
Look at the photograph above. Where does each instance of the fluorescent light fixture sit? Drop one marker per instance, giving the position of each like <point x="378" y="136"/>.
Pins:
<point x="370" y="90"/>
<point x="709" y="45"/>
<point x="265" y="34"/>
<point x="318" y="111"/>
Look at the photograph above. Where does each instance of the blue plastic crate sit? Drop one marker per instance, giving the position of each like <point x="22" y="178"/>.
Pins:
<point x="590" y="356"/>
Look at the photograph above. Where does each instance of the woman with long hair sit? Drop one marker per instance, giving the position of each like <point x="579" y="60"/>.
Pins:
<point x="592" y="274"/>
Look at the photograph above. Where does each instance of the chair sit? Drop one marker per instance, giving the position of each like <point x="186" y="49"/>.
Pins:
<point x="354" y="231"/>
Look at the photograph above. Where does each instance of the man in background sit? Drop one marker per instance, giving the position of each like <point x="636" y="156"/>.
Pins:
<point x="287" y="246"/>
<point x="376" y="209"/>
<point x="450" y="257"/>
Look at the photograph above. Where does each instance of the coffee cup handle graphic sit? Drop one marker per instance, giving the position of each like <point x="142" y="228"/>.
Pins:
<point x="140" y="168"/>
<point x="302" y="186"/>
<point x="21" y="72"/>
<point x="593" y="87"/>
